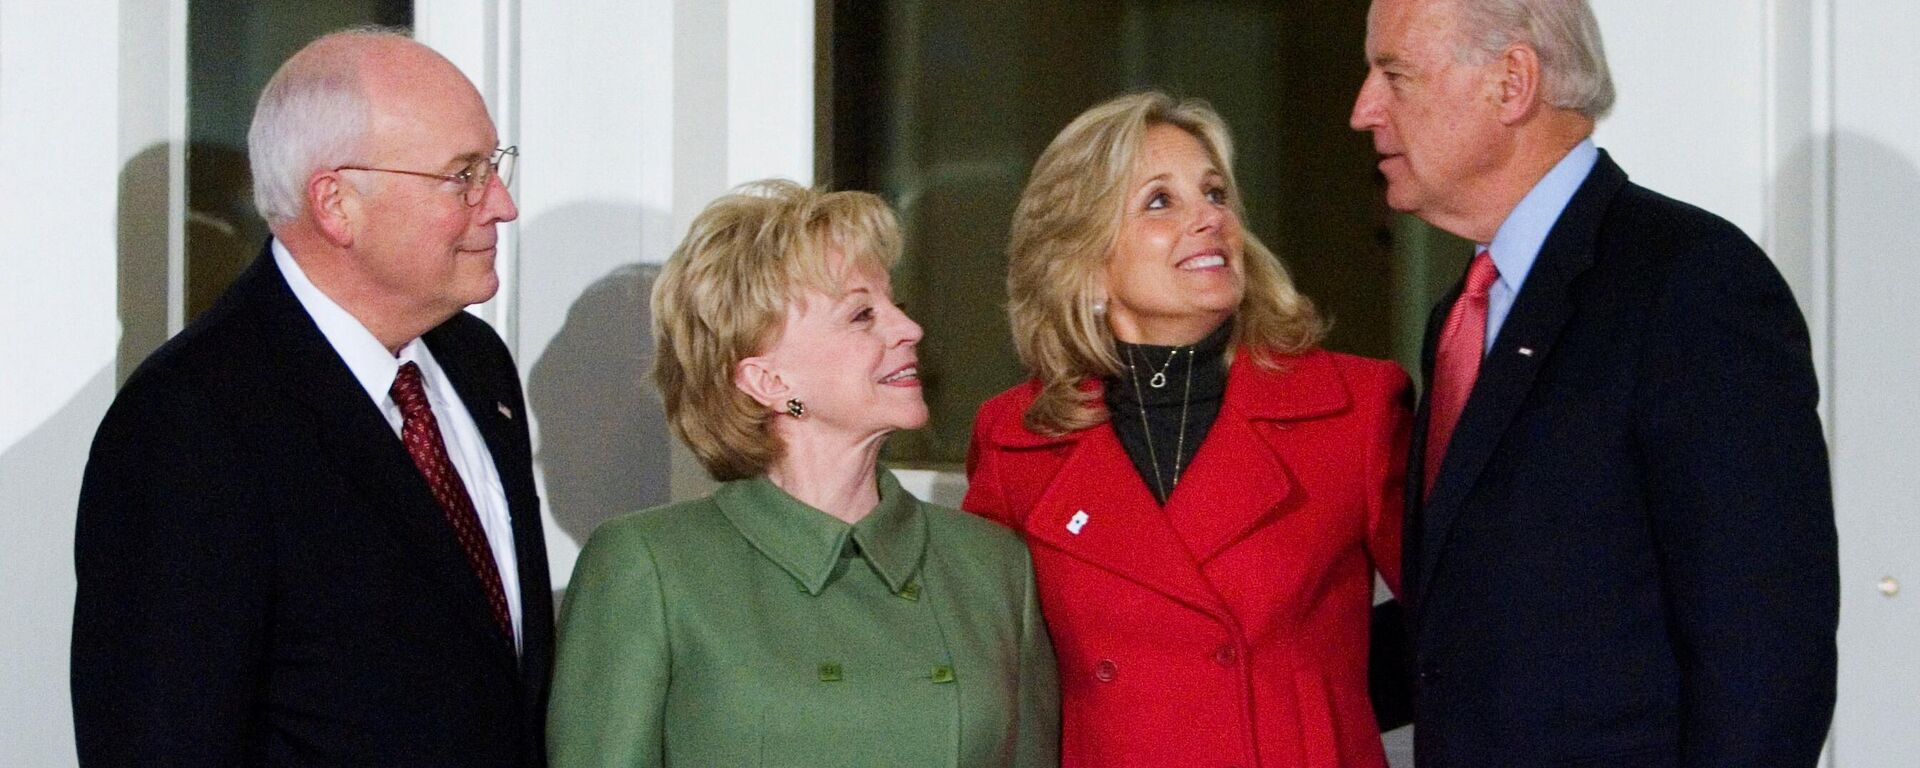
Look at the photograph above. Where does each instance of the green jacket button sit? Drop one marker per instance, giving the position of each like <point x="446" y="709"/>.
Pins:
<point x="829" y="672"/>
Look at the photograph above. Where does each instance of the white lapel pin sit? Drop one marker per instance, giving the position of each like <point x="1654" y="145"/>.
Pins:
<point x="1526" y="351"/>
<point x="504" y="410"/>
<point x="1078" y="522"/>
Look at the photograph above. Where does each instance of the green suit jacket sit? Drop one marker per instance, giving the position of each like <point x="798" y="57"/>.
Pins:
<point x="749" y="629"/>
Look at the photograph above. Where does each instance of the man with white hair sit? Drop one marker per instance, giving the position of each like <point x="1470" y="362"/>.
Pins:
<point x="308" y="531"/>
<point x="1620" y="548"/>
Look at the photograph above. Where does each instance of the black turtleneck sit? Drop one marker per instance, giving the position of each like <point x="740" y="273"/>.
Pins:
<point x="1196" y="380"/>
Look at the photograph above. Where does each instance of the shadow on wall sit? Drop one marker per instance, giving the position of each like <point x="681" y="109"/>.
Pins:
<point x="222" y="237"/>
<point x="142" y="257"/>
<point x="39" y="489"/>
<point x="604" y="442"/>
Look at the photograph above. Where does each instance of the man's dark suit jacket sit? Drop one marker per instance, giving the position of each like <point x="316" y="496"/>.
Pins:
<point x="1629" y="557"/>
<point x="264" y="576"/>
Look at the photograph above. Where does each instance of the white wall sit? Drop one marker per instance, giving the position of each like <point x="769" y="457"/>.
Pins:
<point x="1876" y="358"/>
<point x="1690" y="120"/>
<point x="85" y="155"/>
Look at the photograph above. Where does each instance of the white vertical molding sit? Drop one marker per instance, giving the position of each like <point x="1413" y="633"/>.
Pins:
<point x="1797" y="136"/>
<point x="700" y="152"/>
<point x="656" y="180"/>
<point x="700" y="98"/>
<point x="1822" y="255"/>
<point x="177" y="105"/>
<point x="503" y="95"/>
<point x="769" y="101"/>
<point x="481" y="37"/>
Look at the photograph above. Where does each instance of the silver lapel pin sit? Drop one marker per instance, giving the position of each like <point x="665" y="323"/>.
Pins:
<point x="504" y="410"/>
<point x="1526" y="351"/>
<point x="1078" y="522"/>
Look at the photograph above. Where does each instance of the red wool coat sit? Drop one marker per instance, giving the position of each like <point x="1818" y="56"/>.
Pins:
<point x="1230" y="628"/>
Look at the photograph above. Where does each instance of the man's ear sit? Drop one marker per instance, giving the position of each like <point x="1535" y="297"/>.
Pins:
<point x="335" y="207"/>
<point x="1519" y="72"/>
<point x="757" y="377"/>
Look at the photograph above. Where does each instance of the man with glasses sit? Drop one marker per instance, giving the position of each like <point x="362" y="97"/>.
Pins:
<point x="308" y="532"/>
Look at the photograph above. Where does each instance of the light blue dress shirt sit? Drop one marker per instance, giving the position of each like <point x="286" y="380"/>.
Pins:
<point x="1517" y="243"/>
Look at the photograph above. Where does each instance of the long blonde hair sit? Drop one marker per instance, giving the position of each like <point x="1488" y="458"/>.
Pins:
<point x="1064" y="230"/>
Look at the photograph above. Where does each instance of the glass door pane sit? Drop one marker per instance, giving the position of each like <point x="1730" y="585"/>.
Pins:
<point x="233" y="48"/>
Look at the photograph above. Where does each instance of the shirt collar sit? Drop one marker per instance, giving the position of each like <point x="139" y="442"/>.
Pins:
<point x="807" y="542"/>
<point x="1517" y="244"/>
<point x="372" y="365"/>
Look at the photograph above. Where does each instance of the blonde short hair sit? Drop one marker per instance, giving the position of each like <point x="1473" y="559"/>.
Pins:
<point x="1064" y="230"/>
<point x="722" y="297"/>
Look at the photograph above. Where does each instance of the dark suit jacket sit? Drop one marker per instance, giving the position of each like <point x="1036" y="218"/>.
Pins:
<point x="264" y="576"/>
<point x="1629" y="556"/>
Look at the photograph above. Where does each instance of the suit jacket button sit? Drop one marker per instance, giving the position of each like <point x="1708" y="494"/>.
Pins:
<point x="1225" y="656"/>
<point x="1106" y="671"/>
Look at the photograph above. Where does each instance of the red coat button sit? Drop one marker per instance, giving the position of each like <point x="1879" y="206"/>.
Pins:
<point x="1225" y="656"/>
<point x="1105" y="671"/>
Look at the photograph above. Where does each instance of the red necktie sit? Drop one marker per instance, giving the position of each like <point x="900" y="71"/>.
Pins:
<point x="421" y="434"/>
<point x="1456" y="364"/>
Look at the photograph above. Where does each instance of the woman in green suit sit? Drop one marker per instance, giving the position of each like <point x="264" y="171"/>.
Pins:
<point x="810" y="612"/>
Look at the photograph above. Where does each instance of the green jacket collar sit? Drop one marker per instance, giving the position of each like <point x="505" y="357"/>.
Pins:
<point x="807" y="542"/>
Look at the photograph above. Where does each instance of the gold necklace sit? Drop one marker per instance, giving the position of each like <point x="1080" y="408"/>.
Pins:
<point x="1180" y="442"/>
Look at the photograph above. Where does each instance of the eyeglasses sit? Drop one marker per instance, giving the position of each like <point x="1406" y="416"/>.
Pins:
<point x="474" y="180"/>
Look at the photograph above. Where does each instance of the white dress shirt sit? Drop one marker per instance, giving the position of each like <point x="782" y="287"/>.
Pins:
<point x="376" y="369"/>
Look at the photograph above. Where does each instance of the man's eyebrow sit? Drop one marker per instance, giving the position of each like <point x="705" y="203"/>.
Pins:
<point x="469" y="158"/>
<point x="1384" y="59"/>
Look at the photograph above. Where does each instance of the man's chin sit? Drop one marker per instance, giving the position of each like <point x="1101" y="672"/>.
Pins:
<point x="481" y="289"/>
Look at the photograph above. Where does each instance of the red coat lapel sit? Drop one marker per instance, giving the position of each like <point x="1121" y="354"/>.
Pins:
<point x="1097" y="509"/>
<point x="1238" y="479"/>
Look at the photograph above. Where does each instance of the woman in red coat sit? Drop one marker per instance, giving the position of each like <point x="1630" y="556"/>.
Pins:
<point x="1207" y="494"/>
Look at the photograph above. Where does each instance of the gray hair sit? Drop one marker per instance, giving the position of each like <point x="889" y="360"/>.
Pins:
<point x="313" y="114"/>
<point x="1573" y="63"/>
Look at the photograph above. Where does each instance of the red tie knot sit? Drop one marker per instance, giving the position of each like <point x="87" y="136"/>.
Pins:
<point x="408" y="392"/>
<point x="1481" y="274"/>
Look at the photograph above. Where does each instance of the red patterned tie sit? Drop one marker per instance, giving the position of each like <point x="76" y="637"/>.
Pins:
<point x="1456" y="364"/>
<point x="421" y="434"/>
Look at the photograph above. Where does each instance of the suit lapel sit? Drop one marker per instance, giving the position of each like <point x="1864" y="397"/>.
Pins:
<point x="499" y="415"/>
<point x="493" y="411"/>
<point x="1539" y="313"/>
<point x="1236" y="466"/>
<point x="361" y="445"/>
